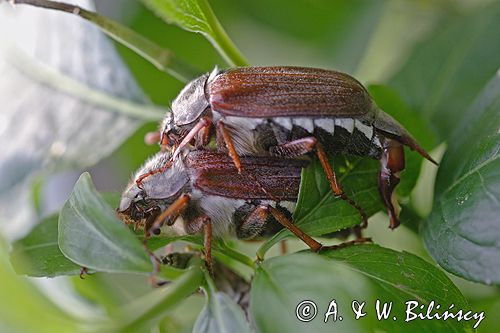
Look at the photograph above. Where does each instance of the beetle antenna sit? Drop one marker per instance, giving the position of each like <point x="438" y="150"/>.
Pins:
<point x="141" y="178"/>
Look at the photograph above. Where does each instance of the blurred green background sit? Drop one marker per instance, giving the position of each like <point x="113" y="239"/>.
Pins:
<point x="370" y="39"/>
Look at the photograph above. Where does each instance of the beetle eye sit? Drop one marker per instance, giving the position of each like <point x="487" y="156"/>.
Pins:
<point x="172" y="139"/>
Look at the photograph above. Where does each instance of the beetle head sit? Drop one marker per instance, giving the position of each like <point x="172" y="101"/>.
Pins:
<point x="156" y="191"/>
<point x="172" y="134"/>
<point x="169" y="136"/>
<point x="187" y="109"/>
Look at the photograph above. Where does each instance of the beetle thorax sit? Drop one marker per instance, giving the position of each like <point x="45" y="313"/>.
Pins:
<point x="166" y="184"/>
<point x="192" y="101"/>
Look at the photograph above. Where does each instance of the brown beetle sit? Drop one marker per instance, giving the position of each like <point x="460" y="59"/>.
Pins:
<point x="287" y="112"/>
<point x="203" y="191"/>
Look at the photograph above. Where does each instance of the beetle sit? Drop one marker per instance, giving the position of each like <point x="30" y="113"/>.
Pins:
<point x="288" y="112"/>
<point x="202" y="191"/>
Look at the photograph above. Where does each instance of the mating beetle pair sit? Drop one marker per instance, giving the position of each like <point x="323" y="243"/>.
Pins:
<point x="287" y="112"/>
<point x="202" y="190"/>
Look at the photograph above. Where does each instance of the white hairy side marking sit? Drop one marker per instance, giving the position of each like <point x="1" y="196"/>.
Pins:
<point x="242" y="131"/>
<point x="305" y="123"/>
<point x="221" y="211"/>
<point x="346" y="123"/>
<point x="365" y="129"/>
<point x="285" y="122"/>
<point x="327" y="124"/>
<point x="376" y="141"/>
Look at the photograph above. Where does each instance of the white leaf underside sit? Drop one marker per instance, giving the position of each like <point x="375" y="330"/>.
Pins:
<point x="43" y="129"/>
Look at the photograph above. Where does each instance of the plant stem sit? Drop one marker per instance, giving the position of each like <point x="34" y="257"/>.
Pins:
<point x="233" y="254"/>
<point x="221" y="40"/>
<point x="160" y="57"/>
<point x="268" y="244"/>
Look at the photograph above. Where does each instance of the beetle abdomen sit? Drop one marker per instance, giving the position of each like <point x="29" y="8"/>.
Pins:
<point x="265" y="92"/>
<point x="337" y="135"/>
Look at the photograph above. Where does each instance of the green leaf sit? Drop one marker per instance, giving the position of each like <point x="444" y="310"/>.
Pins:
<point x="24" y="308"/>
<point x="220" y="314"/>
<point x="442" y="76"/>
<point x="363" y="273"/>
<point x="318" y="212"/>
<point x="402" y="276"/>
<point x="462" y="233"/>
<point x="197" y="16"/>
<point x="92" y="236"/>
<point x="38" y="253"/>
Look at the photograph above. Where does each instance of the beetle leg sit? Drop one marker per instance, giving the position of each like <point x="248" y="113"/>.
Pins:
<point x="345" y="244"/>
<point x="283" y="220"/>
<point x="306" y="145"/>
<point x="330" y="174"/>
<point x="253" y="223"/>
<point x="170" y="214"/>
<point x="294" y="148"/>
<point x="153" y="214"/>
<point x="202" y="123"/>
<point x="335" y="186"/>
<point x="196" y="224"/>
<point x="203" y="138"/>
<point x="152" y="138"/>
<point x="221" y="128"/>
<point x="264" y="211"/>
<point x="139" y="180"/>
<point x="392" y="163"/>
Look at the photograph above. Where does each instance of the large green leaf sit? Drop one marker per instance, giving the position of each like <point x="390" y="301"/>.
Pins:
<point x="443" y="76"/>
<point x="38" y="253"/>
<point x="91" y="235"/>
<point x="197" y="16"/>
<point x="363" y="273"/>
<point x="24" y="309"/>
<point x="221" y="314"/>
<point x="462" y="233"/>
<point x="149" y="309"/>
